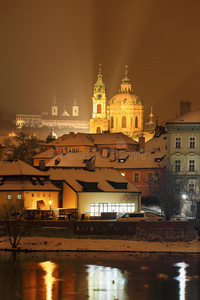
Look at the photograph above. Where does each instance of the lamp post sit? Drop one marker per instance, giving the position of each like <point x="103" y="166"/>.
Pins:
<point x="50" y="202"/>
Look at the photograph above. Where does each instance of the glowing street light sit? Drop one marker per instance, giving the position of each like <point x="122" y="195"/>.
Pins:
<point x="50" y="202"/>
<point x="184" y="196"/>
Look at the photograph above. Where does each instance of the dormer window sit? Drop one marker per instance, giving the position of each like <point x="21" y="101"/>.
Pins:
<point x="1" y="180"/>
<point x="34" y="180"/>
<point x="41" y="180"/>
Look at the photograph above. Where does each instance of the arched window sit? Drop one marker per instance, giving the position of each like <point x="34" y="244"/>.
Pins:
<point x="136" y="122"/>
<point x="98" y="130"/>
<point x="123" y="122"/>
<point x="99" y="108"/>
<point x="112" y="122"/>
<point x="131" y="122"/>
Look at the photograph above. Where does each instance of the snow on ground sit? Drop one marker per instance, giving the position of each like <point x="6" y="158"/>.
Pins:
<point x="63" y="244"/>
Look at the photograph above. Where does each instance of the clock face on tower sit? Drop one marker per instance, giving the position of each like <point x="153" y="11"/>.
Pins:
<point x="99" y="96"/>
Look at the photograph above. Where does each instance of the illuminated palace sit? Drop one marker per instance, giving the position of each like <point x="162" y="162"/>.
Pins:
<point x="122" y="113"/>
<point x="56" y="120"/>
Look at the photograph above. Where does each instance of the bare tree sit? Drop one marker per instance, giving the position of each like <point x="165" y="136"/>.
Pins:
<point x="23" y="147"/>
<point x="168" y="188"/>
<point x="15" y="226"/>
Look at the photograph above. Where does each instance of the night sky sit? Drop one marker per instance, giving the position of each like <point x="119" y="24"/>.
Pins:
<point x="52" y="46"/>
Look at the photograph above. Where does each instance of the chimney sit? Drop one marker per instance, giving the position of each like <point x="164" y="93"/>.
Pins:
<point x="141" y="142"/>
<point x="90" y="165"/>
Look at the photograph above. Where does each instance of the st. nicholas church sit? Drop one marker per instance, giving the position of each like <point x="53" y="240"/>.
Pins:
<point x="122" y="113"/>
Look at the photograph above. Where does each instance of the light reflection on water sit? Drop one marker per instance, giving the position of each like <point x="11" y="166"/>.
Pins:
<point x="98" y="277"/>
<point x="48" y="267"/>
<point x="182" y="278"/>
<point x="105" y="283"/>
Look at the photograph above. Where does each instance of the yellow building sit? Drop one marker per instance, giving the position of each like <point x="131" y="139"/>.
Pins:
<point x="122" y="113"/>
<point x="21" y="182"/>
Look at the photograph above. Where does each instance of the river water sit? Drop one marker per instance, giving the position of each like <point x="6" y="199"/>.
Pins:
<point x="98" y="276"/>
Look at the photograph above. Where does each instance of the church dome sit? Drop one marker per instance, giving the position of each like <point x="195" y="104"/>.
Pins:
<point x="51" y="136"/>
<point x="126" y="95"/>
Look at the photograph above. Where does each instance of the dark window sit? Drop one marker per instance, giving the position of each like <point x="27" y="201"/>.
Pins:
<point x="136" y="122"/>
<point x="191" y="165"/>
<point x="191" y="189"/>
<point x="150" y="177"/>
<point x="112" y="122"/>
<point x="177" y="165"/>
<point x="99" y="108"/>
<point x="136" y="177"/>
<point x="192" y="142"/>
<point x="124" y="122"/>
<point x="178" y="143"/>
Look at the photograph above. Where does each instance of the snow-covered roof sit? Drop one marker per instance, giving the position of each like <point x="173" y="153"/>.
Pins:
<point x="191" y="117"/>
<point x="114" y="159"/>
<point x="18" y="167"/>
<point x="25" y="184"/>
<point x="101" y="179"/>
<point x="157" y="143"/>
<point x="112" y="138"/>
<point x="79" y="139"/>
<point x="49" y="153"/>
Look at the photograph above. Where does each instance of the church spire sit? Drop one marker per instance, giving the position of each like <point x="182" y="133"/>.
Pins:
<point x="126" y="84"/>
<point x="99" y="85"/>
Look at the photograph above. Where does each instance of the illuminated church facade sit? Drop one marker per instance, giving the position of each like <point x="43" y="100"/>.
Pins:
<point x="122" y="113"/>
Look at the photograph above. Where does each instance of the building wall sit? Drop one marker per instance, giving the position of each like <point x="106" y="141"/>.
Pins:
<point x="86" y="198"/>
<point x="143" y="183"/>
<point x="183" y="154"/>
<point x="69" y="197"/>
<point x="30" y="198"/>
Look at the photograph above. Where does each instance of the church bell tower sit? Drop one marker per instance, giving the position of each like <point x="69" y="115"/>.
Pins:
<point x="54" y="107"/>
<point x="99" y="121"/>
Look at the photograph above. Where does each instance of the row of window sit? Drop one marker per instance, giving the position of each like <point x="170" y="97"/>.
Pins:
<point x="19" y="197"/>
<point x="191" y="165"/>
<point x="191" y="142"/>
<point x="97" y="208"/>
<point x="151" y="176"/>
<point x="123" y="122"/>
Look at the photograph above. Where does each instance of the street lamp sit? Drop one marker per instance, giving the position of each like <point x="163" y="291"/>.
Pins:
<point x="184" y="196"/>
<point x="50" y="202"/>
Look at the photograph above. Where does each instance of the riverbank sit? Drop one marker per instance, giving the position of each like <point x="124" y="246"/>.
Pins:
<point x="100" y="245"/>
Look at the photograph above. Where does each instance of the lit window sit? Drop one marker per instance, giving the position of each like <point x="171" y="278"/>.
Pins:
<point x="192" y="142"/>
<point x="150" y="177"/>
<point x="123" y="173"/>
<point x="191" y="165"/>
<point x="19" y="197"/>
<point x="177" y="165"/>
<point x="178" y="143"/>
<point x="9" y="197"/>
<point x="136" y="177"/>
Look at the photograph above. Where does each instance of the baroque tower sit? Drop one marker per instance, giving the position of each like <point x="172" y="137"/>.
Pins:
<point x="99" y="121"/>
<point x="75" y="108"/>
<point x="54" y="107"/>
